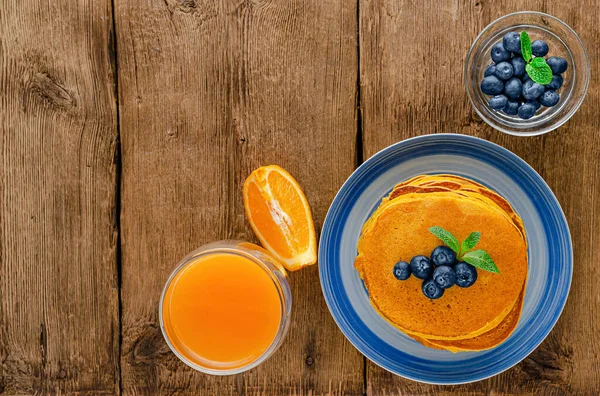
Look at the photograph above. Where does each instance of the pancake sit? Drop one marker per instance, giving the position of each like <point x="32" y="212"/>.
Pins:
<point x="454" y="182"/>
<point x="392" y="237"/>
<point x="474" y="318"/>
<point x="401" y="190"/>
<point x="484" y="341"/>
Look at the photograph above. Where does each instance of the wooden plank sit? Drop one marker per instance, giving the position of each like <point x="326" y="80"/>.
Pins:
<point x="209" y="91"/>
<point x="411" y="62"/>
<point x="59" y="321"/>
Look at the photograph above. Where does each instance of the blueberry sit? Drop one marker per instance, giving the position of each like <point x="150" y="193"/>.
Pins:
<point x="557" y="64"/>
<point x="512" y="108"/>
<point x="492" y="86"/>
<point x="556" y="83"/>
<point x="499" y="53"/>
<point x="504" y="70"/>
<point x="421" y="267"/>
<point x="532" y="90"/>
<point x="526" y="110"/>
<point x="525" y="78"/>
<point x="513" y="88"/>
<point x="402" y="270"/>
<point x="431" y="290"/>
<point x="490" y="70"/>
<point x="518" y="64"/>
<point x="512" y="42"/>
<point x="466" y="274"/>
<point x="497" y="102"/>
<point x="539" y="48"/>
<point x="443" y="255"/>
<point x="444" y="276"/>
<point x="536" y="104"/>
<point x="549" y="98"/>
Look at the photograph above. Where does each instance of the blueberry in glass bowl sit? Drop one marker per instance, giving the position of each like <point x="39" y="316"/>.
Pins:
<point x="534" y="76"/>
<point x="496" y="68"/>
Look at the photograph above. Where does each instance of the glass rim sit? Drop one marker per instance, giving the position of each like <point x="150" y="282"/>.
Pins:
<point x="280" y="283"/>
<point x="559" y="121"/>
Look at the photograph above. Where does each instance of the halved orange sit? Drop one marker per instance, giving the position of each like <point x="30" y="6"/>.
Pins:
<point x="280" y="216"/>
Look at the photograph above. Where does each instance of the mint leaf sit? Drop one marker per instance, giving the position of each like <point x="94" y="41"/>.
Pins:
<point x="526" y="47"/>
<point x="538" y="62"/>
<point x="470" y="242"/>
<point x="446" y="237"/>
<point x="541" y="74"/>
<point x="482" y="260"/>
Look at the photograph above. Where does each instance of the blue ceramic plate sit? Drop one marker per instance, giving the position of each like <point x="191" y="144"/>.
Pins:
<point x="550" y="255"/>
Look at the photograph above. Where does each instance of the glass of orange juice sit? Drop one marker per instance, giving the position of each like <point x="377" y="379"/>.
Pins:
<point x="226" y="307"/>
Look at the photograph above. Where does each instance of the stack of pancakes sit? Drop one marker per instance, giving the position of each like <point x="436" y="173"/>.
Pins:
<point x="463" y="319"/>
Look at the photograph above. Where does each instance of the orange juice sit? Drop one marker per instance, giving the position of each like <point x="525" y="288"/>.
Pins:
<point x="222" y="310"/>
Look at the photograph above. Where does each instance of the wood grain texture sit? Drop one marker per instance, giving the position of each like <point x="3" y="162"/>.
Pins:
<point x="208" y="91"/>
<point x="411" y="62"/>
<point x="59" y="324"/>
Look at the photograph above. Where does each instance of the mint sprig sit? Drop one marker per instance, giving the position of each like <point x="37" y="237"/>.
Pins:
<point x="539" y="72"/>
<point x="464" y="251"/>
<point x="470" y="242"/>
<point x="536" y="68"/>
<point x="482" y="260"/>
<point x="446" y="237"/>
<point x="539" y="62"/>
<point x="526" y="50"/>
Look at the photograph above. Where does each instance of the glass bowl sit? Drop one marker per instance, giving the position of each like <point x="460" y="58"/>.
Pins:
<point x="263" y="260"/>
<point x="563" y="42"/>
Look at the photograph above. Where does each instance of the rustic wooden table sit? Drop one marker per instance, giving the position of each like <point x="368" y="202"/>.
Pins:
<point x="127" y="128"/>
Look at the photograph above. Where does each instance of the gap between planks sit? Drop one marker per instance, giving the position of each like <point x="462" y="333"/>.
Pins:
<point x="118" y="177"/>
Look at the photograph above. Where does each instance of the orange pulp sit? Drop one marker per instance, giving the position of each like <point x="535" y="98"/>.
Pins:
<point x="222" y="311"/>
<point x="280" y="216"/>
